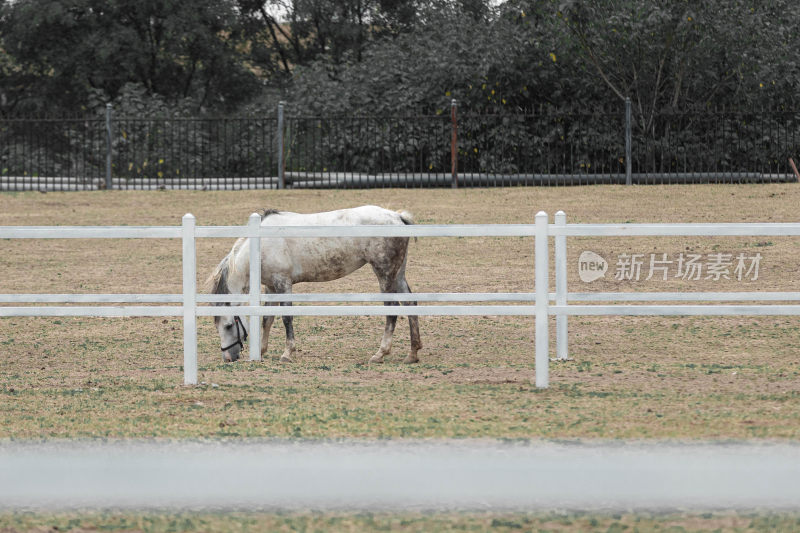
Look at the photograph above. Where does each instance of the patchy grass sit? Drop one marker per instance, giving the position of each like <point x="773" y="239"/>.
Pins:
<point x="407" y="522"/>
<point x="629" y="377"/>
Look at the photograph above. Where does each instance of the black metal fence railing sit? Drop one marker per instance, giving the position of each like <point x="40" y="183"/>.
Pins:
<point x="541" y="148"/>
<point x="441" y="150"/>
<point x="367" y="152"/>
<point x="193" y="153"/>
<point x="750" y="146"/>
<point x="70" y="153"/>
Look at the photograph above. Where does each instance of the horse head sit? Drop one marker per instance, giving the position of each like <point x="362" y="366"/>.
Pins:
<point x="232" y="334"/>
<point x="232" y="329"/>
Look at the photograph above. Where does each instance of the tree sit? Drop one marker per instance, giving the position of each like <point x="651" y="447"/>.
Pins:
<point x="173" y="48"/>
<point x="285" y="34"/>
<point x="487" y="61"/>
<point x="676" y="54"/>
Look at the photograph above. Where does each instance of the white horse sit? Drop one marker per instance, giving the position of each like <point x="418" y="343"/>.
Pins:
<point x="286" y="261"/>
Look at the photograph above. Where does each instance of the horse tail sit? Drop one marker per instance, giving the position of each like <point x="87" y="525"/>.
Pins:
<point x="267" y="212"/>
<point x="406" y="217"/>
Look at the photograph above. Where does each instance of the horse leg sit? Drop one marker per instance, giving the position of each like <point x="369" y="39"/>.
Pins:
<point x="285" y="287"/>
<point x="413" y="324"/>
<point x="286" y="357"/>
<point x="266" y="326"/>
<point x="387" y="285"/>
<point x="386" y="341"/>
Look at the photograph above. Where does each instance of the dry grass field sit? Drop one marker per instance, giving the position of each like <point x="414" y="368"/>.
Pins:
<point x="628" y="377"/>
<point x="408" y="523"/>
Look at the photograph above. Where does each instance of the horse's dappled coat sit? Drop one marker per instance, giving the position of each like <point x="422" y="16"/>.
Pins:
<point x="287" y="261"/>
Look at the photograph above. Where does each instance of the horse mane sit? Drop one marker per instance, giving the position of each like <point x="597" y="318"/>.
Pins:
<point x="217" y="282"/>
<point x="268" y="212"/>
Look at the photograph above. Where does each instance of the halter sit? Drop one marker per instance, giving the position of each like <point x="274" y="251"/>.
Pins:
<point x="239" y="339"/>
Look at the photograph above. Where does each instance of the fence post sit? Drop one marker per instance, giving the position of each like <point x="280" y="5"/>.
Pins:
<point x="108" y="146"/>
<point x="561" y="287"/>
<point x="453" y="144"/>
<point x="189" y="301"/>
<point x="281" y="169"/>
<point x="628" y="178"/>
<point x="253" y="224"/>
<point x="541" y="275"/>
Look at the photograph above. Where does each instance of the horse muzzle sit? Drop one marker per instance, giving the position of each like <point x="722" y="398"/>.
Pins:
<point x="231" y="355"/>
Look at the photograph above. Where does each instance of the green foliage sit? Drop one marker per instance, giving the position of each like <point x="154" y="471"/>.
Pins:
<point x="576" y="55"/>
<point x="676" y="54"/>
<point x="71" y="48"/>
<point x="448" y="55"/>
<point x="287" y="34"/>
<point x="540" y="84"/>
<point x="381" y="56"/>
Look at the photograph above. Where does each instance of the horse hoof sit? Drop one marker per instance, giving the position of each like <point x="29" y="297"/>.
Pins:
<point x="376" y="359"/>
<point x="411" y="359"/>
<point x="286" y="359"/>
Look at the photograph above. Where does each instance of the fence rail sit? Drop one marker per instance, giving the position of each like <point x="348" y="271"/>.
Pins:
<point x="536" y="304"/>
<point x="541" y="147"/>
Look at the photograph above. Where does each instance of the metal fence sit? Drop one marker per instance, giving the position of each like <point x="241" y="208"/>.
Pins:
<point x="539" y="147"/>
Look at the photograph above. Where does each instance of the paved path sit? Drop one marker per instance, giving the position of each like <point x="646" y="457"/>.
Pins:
<point x="418" y="475"/>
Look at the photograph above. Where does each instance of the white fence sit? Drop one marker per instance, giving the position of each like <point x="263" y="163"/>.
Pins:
<point x="535" y="304"/>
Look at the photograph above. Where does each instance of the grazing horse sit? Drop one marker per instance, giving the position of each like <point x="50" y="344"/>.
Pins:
<point x="286" y="261"/>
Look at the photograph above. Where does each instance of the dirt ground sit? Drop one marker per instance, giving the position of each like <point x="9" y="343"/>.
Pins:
<point x="628" y="377"/>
